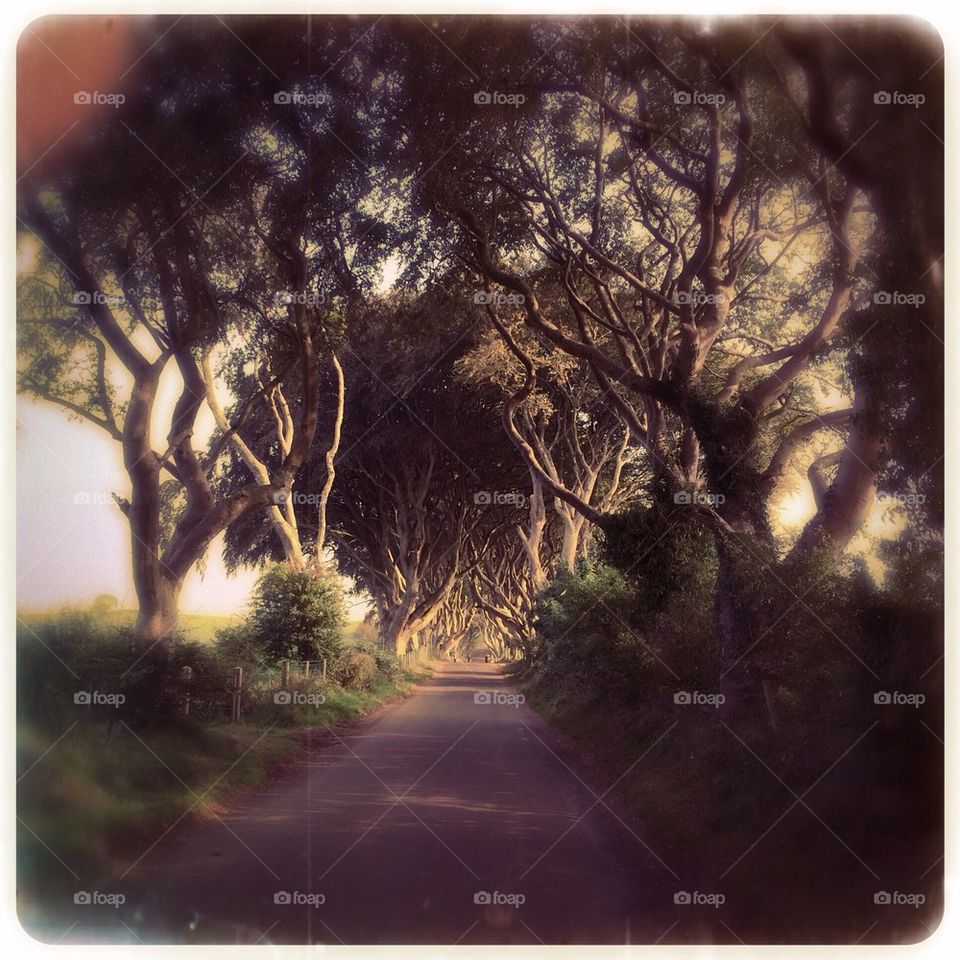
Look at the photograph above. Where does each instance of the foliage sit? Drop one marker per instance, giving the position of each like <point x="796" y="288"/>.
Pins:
<point x="295" y="615"/>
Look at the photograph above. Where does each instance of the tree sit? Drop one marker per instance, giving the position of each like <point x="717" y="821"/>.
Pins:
<point x="296" y="614"/>
<point x="153" y="255"/>
<point x="642" y="183"/>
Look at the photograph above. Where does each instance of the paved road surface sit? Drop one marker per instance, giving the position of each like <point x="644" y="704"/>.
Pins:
<point x="397" y="827"/>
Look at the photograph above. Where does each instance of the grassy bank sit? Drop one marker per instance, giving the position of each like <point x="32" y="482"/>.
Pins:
<point x="97" y="786"/>
<point x="711" y="805"/>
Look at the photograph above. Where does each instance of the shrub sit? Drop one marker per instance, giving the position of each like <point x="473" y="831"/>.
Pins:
<point x="70" y="654"/>
<point x="357" y="670"/>
<point x="295" y="615"/>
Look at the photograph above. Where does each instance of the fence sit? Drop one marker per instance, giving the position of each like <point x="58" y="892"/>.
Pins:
<point x="240" y="688"/>
<point x="413" y="658"/>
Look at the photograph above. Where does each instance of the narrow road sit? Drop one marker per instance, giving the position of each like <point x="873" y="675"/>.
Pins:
<point x="442" y="820"/>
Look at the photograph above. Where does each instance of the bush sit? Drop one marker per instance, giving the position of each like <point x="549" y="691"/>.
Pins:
<point x="357" y="670"/>
<point x="295" y="615"/>
<point x="582" y="639"/>
<point x="70" y="655"/>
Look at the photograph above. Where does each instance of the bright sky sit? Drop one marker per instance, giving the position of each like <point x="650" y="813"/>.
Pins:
<point x="72" y="540"/>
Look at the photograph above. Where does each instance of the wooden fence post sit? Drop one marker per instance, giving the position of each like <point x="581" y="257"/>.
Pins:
<point x="323" y="675"/>
<point x="285" y="675"/>
<point x="306" y="669"/>
<point x="237" y="687"/>
<point x="186" y="676"/>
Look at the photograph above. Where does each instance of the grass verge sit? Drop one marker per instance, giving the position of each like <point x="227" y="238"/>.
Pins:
<point x="93" y="798"/>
